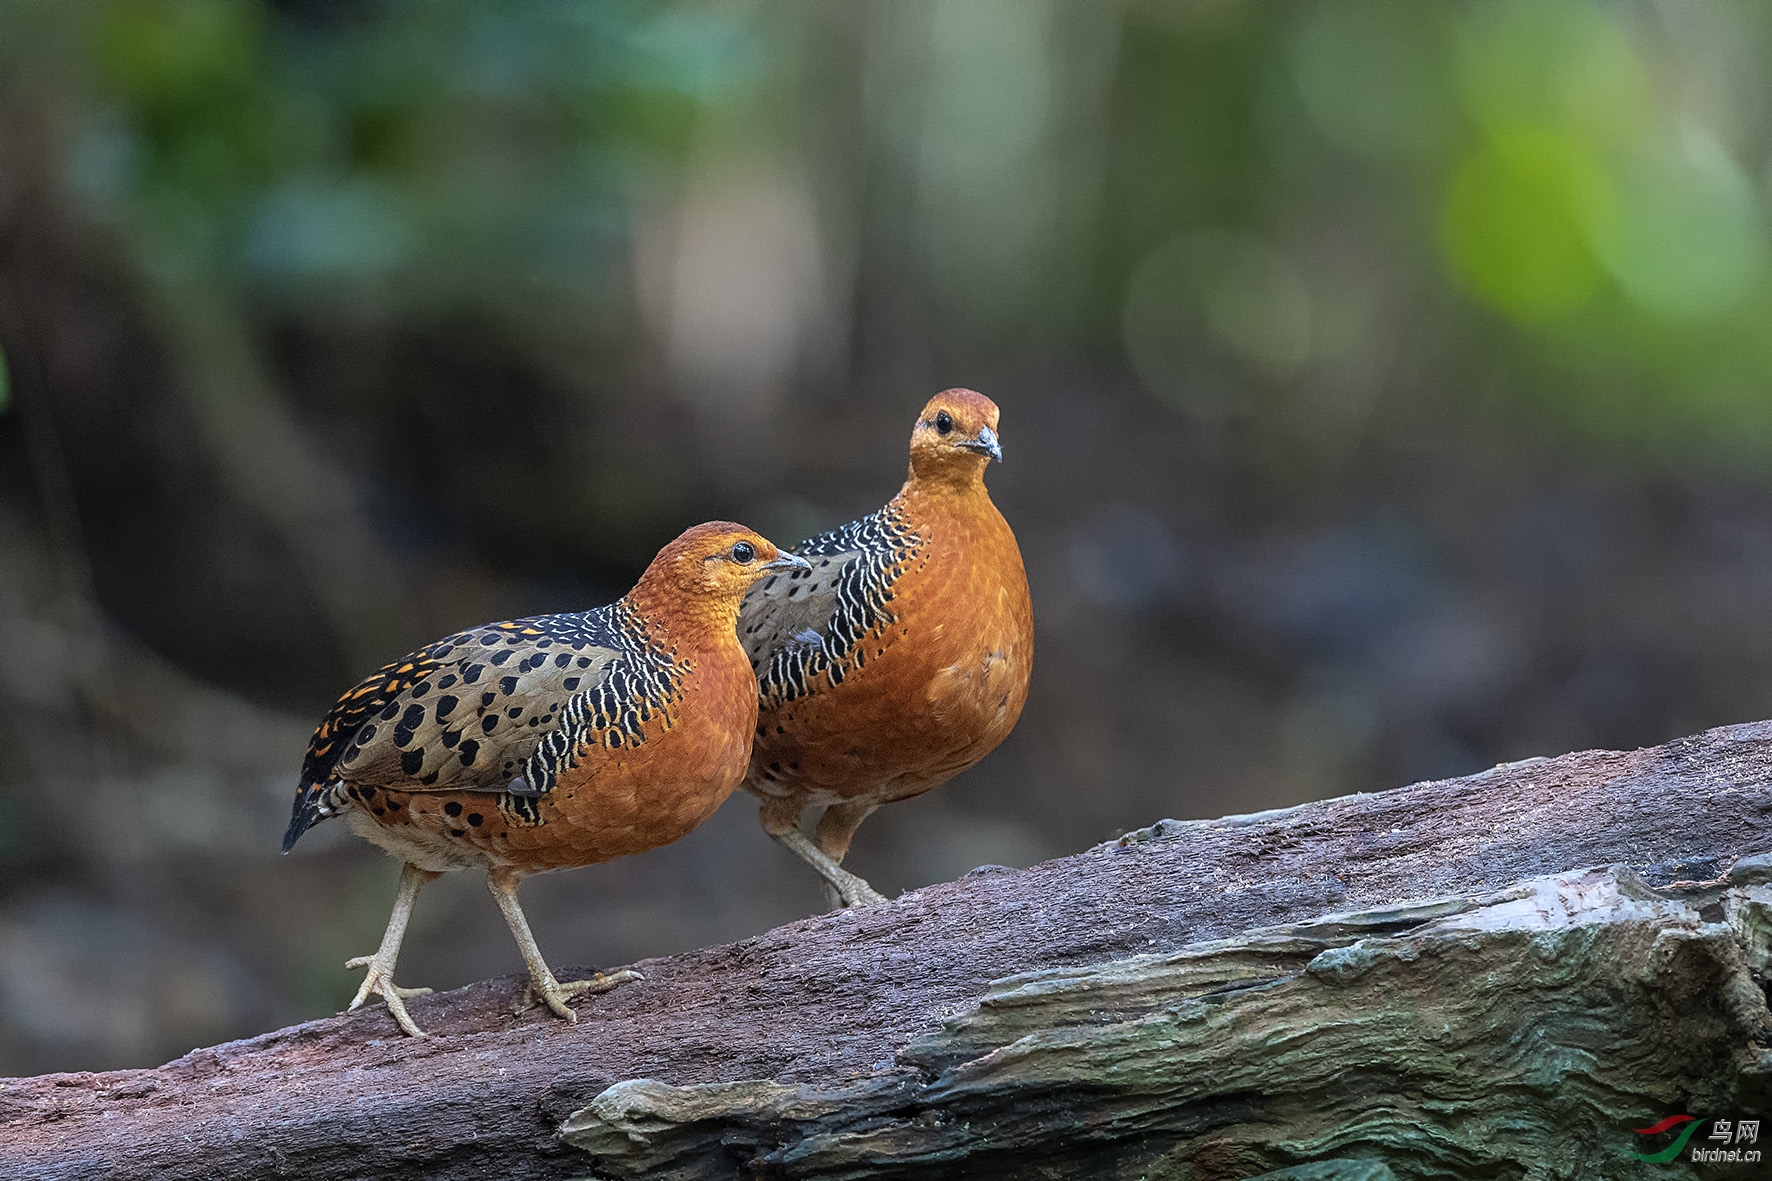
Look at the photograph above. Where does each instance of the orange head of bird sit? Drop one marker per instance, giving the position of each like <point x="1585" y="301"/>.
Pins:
<point x="955" y="438"/>
<point x="706" y="571"/>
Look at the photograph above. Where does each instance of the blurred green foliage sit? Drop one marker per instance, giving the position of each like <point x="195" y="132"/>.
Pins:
<point x="392" y="155"/>
<point x="1576" y="168"/>
<point x="1584" y="177"/>
<point x="1594" y="168"/>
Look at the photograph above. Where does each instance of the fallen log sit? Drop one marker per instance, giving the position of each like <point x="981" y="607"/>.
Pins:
<point x="1494" y="976"/>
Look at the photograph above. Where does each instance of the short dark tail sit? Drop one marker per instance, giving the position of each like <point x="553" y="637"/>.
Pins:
<point x="308" y="813"/>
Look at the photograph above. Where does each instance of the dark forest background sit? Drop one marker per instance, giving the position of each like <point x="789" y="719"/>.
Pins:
<point x="1384" y="387"/>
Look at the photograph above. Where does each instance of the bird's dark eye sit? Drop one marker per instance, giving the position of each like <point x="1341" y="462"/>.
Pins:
<point x="944" y="422"/>
<point x="743" y="552"/>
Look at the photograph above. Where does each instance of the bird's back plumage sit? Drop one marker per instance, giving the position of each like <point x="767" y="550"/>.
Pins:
<point x="504" y="709"/>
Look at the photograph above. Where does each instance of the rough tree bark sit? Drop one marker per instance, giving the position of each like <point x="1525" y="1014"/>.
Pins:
<point x="1495" y="976"/>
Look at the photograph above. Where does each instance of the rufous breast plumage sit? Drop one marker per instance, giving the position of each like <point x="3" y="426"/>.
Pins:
<point x="901" y="656"/>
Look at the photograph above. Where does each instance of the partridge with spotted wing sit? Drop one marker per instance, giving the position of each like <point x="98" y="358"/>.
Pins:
<point x="899" y="657"/>
<point x="548" y="742"/>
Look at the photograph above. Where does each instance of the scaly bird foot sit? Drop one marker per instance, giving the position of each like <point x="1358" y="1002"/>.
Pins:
<point x="850" y="892"/>
<point x="379" y="981"/>
<point x="555" y="994"/>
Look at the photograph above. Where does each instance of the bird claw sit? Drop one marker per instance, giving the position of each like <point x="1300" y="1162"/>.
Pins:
<point x="379" y="981"/>
<point x="556" y="997"/>
<point x="852" y="893"/>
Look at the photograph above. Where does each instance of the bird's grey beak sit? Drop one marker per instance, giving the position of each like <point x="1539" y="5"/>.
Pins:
<point x="985" y="444"/>
<point x="788" y="561"/>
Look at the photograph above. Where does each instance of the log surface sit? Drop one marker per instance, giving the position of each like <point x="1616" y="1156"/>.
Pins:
<point x="855" y="1044"/>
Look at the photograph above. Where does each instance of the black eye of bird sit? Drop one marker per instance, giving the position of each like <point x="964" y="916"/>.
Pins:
<point x="743" y="552"/>
<point x="944" y="422"/>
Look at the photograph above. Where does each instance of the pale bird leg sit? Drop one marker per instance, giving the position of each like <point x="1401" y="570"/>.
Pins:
<point x="379" y="980"/>
<point x="836" y="828"/>
<point x="503" y="884"/>
<point x="849" y="889"/>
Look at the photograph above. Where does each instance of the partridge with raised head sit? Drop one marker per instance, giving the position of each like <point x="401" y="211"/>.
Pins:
<point x="548" y="742"/>
<point x="900" y="656"/>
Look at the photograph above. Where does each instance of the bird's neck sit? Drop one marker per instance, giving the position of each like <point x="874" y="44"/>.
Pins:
<point x="684" y="622"/>
<point x="945" y="491"/>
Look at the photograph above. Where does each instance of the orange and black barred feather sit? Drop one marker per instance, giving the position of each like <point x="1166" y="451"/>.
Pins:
<point x="347" y="717"/>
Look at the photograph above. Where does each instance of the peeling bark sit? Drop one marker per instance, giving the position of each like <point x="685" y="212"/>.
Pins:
<point x="1520" y="1033"/>
<point x="1495" y="976"/>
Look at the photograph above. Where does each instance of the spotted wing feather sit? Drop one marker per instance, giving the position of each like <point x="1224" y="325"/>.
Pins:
<point x="510" y="693"/>
<point x="502" y="708"/>
<point x="367" y="699"/>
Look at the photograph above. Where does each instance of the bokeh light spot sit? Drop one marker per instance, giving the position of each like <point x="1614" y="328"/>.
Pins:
<point x="1223" y="284"/>
<point x="313" y="228"/>
<point x="1368" y="76"/>
<point x="1685" y="237"/>
<point x="1568" y="65"/>
<point x="1514" y="223"/>
<point x="1257" y="303"/>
